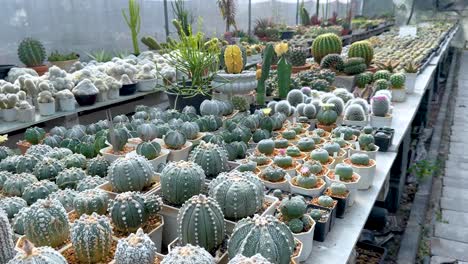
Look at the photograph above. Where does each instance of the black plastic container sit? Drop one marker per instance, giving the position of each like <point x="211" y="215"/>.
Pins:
<point x="287" y="34"/>
<point x="370" y="253"/>
<point x="4" y="69"/>
<point x="332" y="213"/>
<point x="128" y="89"/>
<point x="321" y="227"/>
<point x="342" y="204"/>
<point x="85" y="100"/>
<point x="383" y="138"/>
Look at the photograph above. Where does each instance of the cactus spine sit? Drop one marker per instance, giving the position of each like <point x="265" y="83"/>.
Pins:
<point x="28" y="254"/>
<point x="6" y="239"/>
<point x="326" y="44"/>
<point x="211" y="157"/>
<point x="362" y="49"/>
<point x="188" y="254"/>
<point x="31" y="52"/>
<point x="130" y="174"/>
<point x="136" y="248"/>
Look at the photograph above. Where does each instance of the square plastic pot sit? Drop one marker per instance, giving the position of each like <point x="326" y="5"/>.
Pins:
<point x="47" y="109"/>
<point x="10" y="115"/>
<point x="26" y="115"/>
<point x="351" y="186"/>
<point x="410" y="82"/>
<point x="179" y="154"/>
<point x="342" y="204"/>
<point x="67" y="104"/>
<point x="307" y="240"/>
<point x="322" y="228"/>
<point x="314" y="192"/>
<point x="381" y="121"/>
<point x="398" y="95"/>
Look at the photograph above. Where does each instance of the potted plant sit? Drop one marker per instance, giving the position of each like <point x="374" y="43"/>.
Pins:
<point x="129" y="86"/>
<point x="114" y="88"/>
<point x="365" y="167"/>
<point x="261" y="159"/>
<point x="411" y="70"/>
<point x="274" y="177"/>
<point x="177" y="144"/>
<point x="334" y="150"/>
<point x="327" y="117"/>
<point x="26" y="112"/>
<point x="8" y="105"/>
<point x="133" y="21"/>
<point x="146" y="79"/>
<point x="322" y="218"/>
<point x="380" y="116"/>
<point x="152" y="151"/>
<point x="46" y="103"/>
<point x="366" y="145"/>
<point x="285" y="162"/>
<point x="306" y="183"/>
<point x="325" y="202"/>
<point x="322" y="156"/>
<point x="103" y="90"/>
<point x="345" y="174"/>
<point x="355" y="116"/>
<point x="383" y="138"/>
<point x="117" y="138"/>
<point x="397" y="83"/>
<point x="62" y="60"/>
<point x="32" y="53"/>
<point x="66" y="100"/>
<point x="85" y="93"/>
<point x="314" y="167"/>
<point x="338" y="192"/>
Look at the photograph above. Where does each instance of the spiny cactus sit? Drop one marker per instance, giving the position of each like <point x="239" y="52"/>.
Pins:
<point x="150" y="42"/>
<point x="26" y="163"/>
<point x="181" y="180"/>
<point x="353" y="66"/>
<point x="31" y="52"/>
<point x="39" y="190"/>
<point x="320" y="85"/>
<point x="284" y="107"/>
<point x="212" y="158"/>
<point x="130" y="210"/>
<point x="34" y="135"/>
<point x="174" y="139"/>
<point x="239" y="194"/>
<point x="295" y="97"/>
<point x="48" y="169"/>
<point x="233" y="60"/>
<point x="192" y="226"/>
<point x="355" y="112"/>
<point x="257" y="259"/>
<point x="325" y="44"/>
<point x="12" y="205"/>
<point x="27" y="254"/>
<point x="333" y="62"/>
<point x="38" y="227"/>
<point x="91" y="201"/>
<point x="69" y="178"/>
<point x="338" y="104"/>
<point x="91" y="237"/>
<point x="136" y="248"/>
<point x="381" y="75"/>
<point x="362" y="49"/>
<point x="7" y="251"/>
<point x="15" y="185"/>
<point x="39" y="150"/>
<point x="276" y="238"/>
<point x="188" y="254"/>
<point x="381" y="84"/>
<point x="5" y="152"/>
<point x="397" y="80"/>
<point x="65" y="197"/>
<point x="380" y="105"/>
<point x="363" y="79"/>
<point x="130" y="174"/>
<point x="97" y="166"/>
<point x="75" y="161"/>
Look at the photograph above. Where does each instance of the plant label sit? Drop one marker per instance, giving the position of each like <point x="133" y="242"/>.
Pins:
<point x="358" y="148"/>
<point x="335" y="154"/>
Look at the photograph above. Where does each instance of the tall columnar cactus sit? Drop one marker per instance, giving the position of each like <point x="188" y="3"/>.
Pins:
<point x="65" y="197"/>
<point x="233" y="59"/>
<point x="354" y="112"/>
<point x="188" y="254"/>
<point x="27" y="254"/>
<point x="284" y="70"/>
<point x="136" y="248"/>
<point x="149" y="150"/>
<point x="275" y="237"/>
<point x="325" y="44"/>
<point x="7" y="251"/>
<point x="211" y="157"/>
<point x="69" y="178"/>
<point x="91" y="237"/>
<point x="31" y="52"/>
<point x="181" y="180"/>
<point x="380" y="105"/>
<point x="97" y="166"/>
<point x="38" y="227"/>
<point x="201" y="223"/>
<point x="91" y="201"/>
<point x="130" y="174"/>
<point x="240" y="194"/>
<point x="268" y="53"/>
<point x="130" y="210"/>
<point x="133" y="21"/>
<point x="39" y="190"/>
<point x="48" y="169"/>
<point x="362" y="49"/>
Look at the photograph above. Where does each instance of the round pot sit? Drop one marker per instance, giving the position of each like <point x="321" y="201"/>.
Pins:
<point x="47" y="109"/>
<point x="147" y="85"/>
<point x="40" y="69"/>
<point x="64" y="65"/>
<point x="67" y="104"/>
<point x="4" y="69"/>
<point x="10" y="115"/>
<point x="178" y="102"/>
<point x="85" y="99"/>
<point x="241" y="83"/>
<point x="110" y="157"/>
<point x="128" y="89"/>
<point x="26" y="115"/>
<point x="112" y="94"/>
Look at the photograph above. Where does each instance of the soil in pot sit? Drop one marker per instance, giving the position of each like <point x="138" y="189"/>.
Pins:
<point x="314" y="204"/>
<point x="70" y="256"/>
<point x="322" y="226"/>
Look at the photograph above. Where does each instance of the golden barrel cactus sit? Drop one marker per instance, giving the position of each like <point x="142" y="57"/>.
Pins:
<point x="233" y="59"/>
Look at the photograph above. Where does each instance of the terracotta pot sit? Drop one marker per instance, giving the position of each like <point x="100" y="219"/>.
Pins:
<point x="326" y="128"/>
<point x="296" y="69"/>
<point x="64" y="65"/>
<point x="40" y="69"/>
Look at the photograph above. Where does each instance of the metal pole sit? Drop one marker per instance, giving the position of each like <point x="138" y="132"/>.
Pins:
<point x="250" y="18"/>
<point x="166" y="19"/>
<point x="297" y="13"/>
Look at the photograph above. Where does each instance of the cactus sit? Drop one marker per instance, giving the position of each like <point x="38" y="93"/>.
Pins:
<point x="283" y="107"/>
<point x="289" y="134"/>
<point x="363" y="103"/>
<point x="27" y="253"/>
<point x="292" y="207"/>
<point x="338" y="104"/>
<point x="325" y="201"/>
<point x="149" y="150"/>
<point x="325" y="44"/>
<point x="381" y="84"/>
<point x="260" y="134"/>
<point x="39" y="150"/>
<point x="293" y="151"/>
<point x="147" y="131"/>
<point x="233" y="60"/>
<point x="268" y="53"/>
<point x="360" y="159"/>
<point x="316" y="214"/>
<point x="5" y="152"/>
<point x="310" y="111"/>
<point x="397" y="80"/>
<point x="69" y="178"/>
<point x="75" y="161"/>
<point x="118" y="137"/>
<point x="65" y="197"/>
<point x="362" y="49"/>
<point x="275" y="237"/>
<point x="327" y="116"/>
<point x="180" y="181"/>
<point x="191" y="130"/>
<point x="89" y="182"/>
<point x="284" y="73"/>
<point x="34" y="135"/>
<point x="353" y="66"/>
<point x="12" y="205"/>
<point x="38" y="227"/>
<point x="130" y="174"/>
<point x="38" y="190"/>
<point x="31" y="52"/>
<point x="192" y="226"/>
<point x="52" y="141"/>
<point x="305" y="179"/>
<point x="26" y="163"/>
<point x="320" y="155"/>
<point x="366" y="142"/>
<point x="91" y="237"/>
<point x="355" y="112"/>
<point x="380" y="105"/>
<point x="331" y="148"/>
<point x="15" y="185"/>
<point x="282" y="160"/>
<point x="382" y="75"/>
<point x="212" y="158"/>
<point x="266" y="146"/>
<point x="48" y="169"/>
<point x="314" y="166"/>
<point x="320" y="85"/>
<point x="174" y="139"/>
<point x="338" y="189"/>
<point x="136" y="248"/>
<point x="344" y="171"/>
<point x="333" y="62"/>
<point x="97" y="166"/>
<point x="273" y="174"/>
<point x="150" y="42"/>
<point x="239" y="194"/>
<point x="295" y="97"/>
<point x="305" y="144"/>
<point x="257" y="259"/>
<point x="130" y="210"/>
<point x="363" y="79"/>
<point x="297" y="57"/>
<point x="188" y="254"/>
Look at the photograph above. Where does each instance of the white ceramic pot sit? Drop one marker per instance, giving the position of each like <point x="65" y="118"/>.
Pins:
<point x="176" y="155"/>
<point x="10" y="115"/>
<point x="307" y="240"/>
<point x="113" y="94"/>
<point x="26" y="115"/>
<point x="241" y="83"/>
<point x="170" y="228"/>
<point x="410" y="82"/>
<point x="367" y="175"/>
<point x="381" y="121"/>
<point x="147" y="85"/>
<point x="109" y="156"/>
<point x="197" y="140"/>
<point x="371" y="154"/>
<point x="47" y="109"/>
<point x="398" y="95"/>
<point x="67" y="104"/>
<point x="314" y="192"/>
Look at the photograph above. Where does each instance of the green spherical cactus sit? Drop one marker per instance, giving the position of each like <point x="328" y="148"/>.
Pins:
<point x="296" y="225"/>
<point x="48" y="169"/>
<point x="289" y="134"/>
<point x="97" y="166"/>
<point x="191" y="130"/>
<point x="276" y="238"/>
<point x="273" y="174"/>
<point x="338" y="189"/>
<point x="239" y="194"/>
<point x="316" y="214"/>
<point x="266" y="146"/>
<point x="305" y="179"/>
<point x="306" y="144"/>
<point x="19" y="219"/>
<point x="283" y="107"/>
<point x="260" y="134"/>
<point x="366" y="142"/>
<point x="314" y="166"/>
<point x="344" y="171"/>
<point x="380" y="105"/>
<point x="260" y="159"/>
<point x="257" y="259"/>
<point x="327" y="115"/>
<point x="136" y="248"/>
<point x="212" y="158"/>
<point x="5" y="152"/>
<point x="12" y="205"/>
<point x="362" y="49"/>
<point x="325" y="44"/>
<point x="90" y="182"/>
<point x="130" y="210"/>
<point x="4" y="175"/>
<point x="34" y="135"/>
<point x="310" y="111"/>
<point x="397" y="80"/>
<point x="293" y="207"/>
<point x="91" y="238"/>
<point x="188" y="254"/>
<point x="247" y="166"/>
<point x="281" y="143"/>
<point x="381" y="84"/>
<point x="69" y="178"/>
<point x="297" y="57"/>
<point x="149" y="150"/>
<point x="236" y="150"/>
<point x="174" y="139"/>
<point x="31" y="52"/>
<point x="117" y="138"/>
<point x="354" y="66"/>
<point x="320" y="155"/>
<point x="58" y="131"/>
<point x="26" y="163"/>
<point x="39" y="190"/>
<point x="7" y="251"/>
<point x="192" y="226"/>
<point x="293" y="151"/>
<point x="65" y="197"/>
<point x="180" y="181"/>
<point x="282" y="160"/>
<point x="333" y="62"/>
<point x="39" y="150"/>
<point x="320" y="85"/>
<point x="360" y="159"/>
<point x="325" y="201"/>
<point x="130" y="174"/>
<point x="354" y="112"/>
<point x="38" y="227"/>
<point x="75" y="161"/>
<point x="338" y="104"/>
<point x="15" y="185"/>
<point x="363" y="79"/>
<point x="382" y="75"/>
<point x="295" y="97"/>
<point x="147" y="131"/>
<point x="26" y="253"/>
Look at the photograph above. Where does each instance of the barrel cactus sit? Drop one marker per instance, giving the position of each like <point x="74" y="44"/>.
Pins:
<point x="188" y="254"/>
<point x="305" y="179"/>
<point x="354" y="112"/>
<point x="130" y="210"/>
<point x="181" y="180"/>
<point x="257" y="259"/>
<point x="117" y="137"/>
<point x="19" y="220"/>
<point x="97" y="166"/>
<point x="149" y="150"/>
<point x="75" y="161"/>
<point x="338" y="104"/>
<point x="38" y="227"/>
<point x="69" y="178"/>
<point x="381" y="84"/>
<point x="147" y="131"/>
<point x="381" y="75"/>
<point x="7" y="251"/>
<point x="239" y="194"/>
<point x="212" y="158"/>
<point x="91" y="201"/>
<point x="27" y="254"/>
<point x="4" y="175"/>
<point x="90" y="182"/>
<point x="275" y="237"/>
<point x="39" y="150"/>
<point x="48" y="169"/>
<point x="34" y="135"/>
<point x="5" y="152"/>
<point x="362" y="49"/>
<point x="39" y="190"/>
<point x="397" y="80"/>
<point x="354" y="66"/>
<point x="59" y="153"/>
<point x="266" y="146"/>
<point x="91" y="238"/>
<point x="26" y="163"/>
<point x="136" y="248"/>
<point x="295" y="97"/>
<point x="333" y="62"/>
<point x="325" y="44"/>
<point x="363" y="79"/>
<point x="282" y="160"/>
<point x="65" y="197"/>
<point x="380" y="105"/>
<point x="15" y="185"/>
<point x="130" y="174"/>
<point x="193" y="228"/>
<point x="12" y="205"/>
<point x="344" y="171"/>
<point x="191" y="130"/>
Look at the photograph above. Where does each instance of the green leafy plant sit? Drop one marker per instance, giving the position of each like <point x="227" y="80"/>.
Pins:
<point x="100" y="55"/>
<point x="57" y="56"/>
<point x="183" y="16"/>
<point x="133" y="21"/>
<point x="424" y="169"/>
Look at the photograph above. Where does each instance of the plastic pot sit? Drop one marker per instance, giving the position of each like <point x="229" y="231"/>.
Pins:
<point x="4" y="69"/>
<point x="47" y="109"/>
<point x="178" y="102"/>
<point x="67" y="104"/>
<point x="128" y="89"/>
<point x="86" y="99"/>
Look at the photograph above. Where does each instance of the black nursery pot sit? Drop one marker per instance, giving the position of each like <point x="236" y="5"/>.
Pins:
<point x="4" y="69"/>
<point x="287" y="34"/>
<point x="128" y="89"/>
<point x="383" y="138"/>
<point x="85" y="100"/>
<point x="342" y="204"/>
<point x="332" y="217"/>
<point x="322" y="228"/>
<point x="178" y="102"/>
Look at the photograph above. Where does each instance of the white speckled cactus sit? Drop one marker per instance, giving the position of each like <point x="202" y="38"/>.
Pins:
<point x="6" y="239"/>
<point x="130" y="174"/>
<point x="91" y="201"/>
<point x="27" y="254"/>
<point x="65" y="197"/>
<point x="211" y="157"/>
<point x="12" y="205"/>
<point x="69" y="178"/>
<point x="91" y="237"/>
<point x="39" y="190"/>
<point x="48" y="169"/>
<point x="97" y="166"/>
<point x="137" y="248"/>
<point x="15" y="185"/>
<point x="188" y="254"/>
<point x="256" y="259"/>
<point x="89" y="182"/>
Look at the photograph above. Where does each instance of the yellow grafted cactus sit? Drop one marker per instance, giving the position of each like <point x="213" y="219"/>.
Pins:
<point x="258" y="74"/>
<point x="233" y="59"/>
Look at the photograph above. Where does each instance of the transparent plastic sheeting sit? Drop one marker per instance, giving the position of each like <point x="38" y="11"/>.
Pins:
<point x="89" y="25"/>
